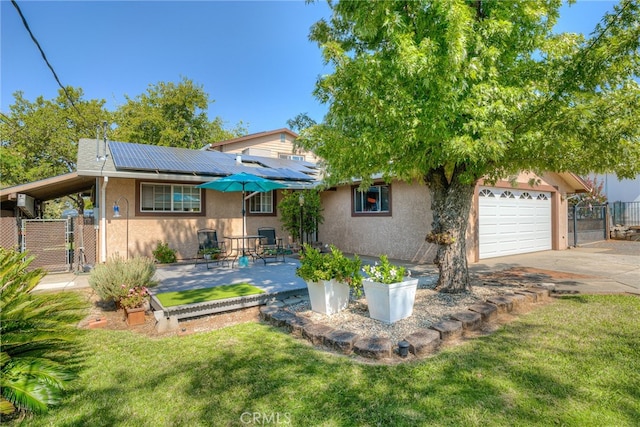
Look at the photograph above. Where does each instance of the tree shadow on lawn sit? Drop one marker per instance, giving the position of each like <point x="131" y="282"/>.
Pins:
<point x="530" y="371"/>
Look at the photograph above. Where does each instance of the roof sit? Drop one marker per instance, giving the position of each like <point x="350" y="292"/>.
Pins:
<point x="50" y="188"/>
<point x="577" y="183"/>
<point x="128" y="160"/>
<point x="253" y="136"/>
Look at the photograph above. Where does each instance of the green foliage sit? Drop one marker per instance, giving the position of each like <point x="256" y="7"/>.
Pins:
<point x="108" y="279"/>
<point x="289" y="208"/>
<point x="134" y="297"/>
<point x="595" y="197"/>
<point x="164" y="254"/>
<point x="316" y="266"/>
<point x="38" y="331"/>
<point x="173" y="115"/>
<point x="450" y="92"/>
<point x="385" y="272"/>
<point x="40" y="138"/>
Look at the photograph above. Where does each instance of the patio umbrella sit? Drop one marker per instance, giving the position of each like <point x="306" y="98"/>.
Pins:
<point x="242" y="182"/>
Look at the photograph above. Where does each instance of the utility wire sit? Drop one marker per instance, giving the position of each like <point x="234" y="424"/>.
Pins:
<point x="26" y="25"/>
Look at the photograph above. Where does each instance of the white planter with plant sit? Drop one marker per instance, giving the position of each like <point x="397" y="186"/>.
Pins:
<point x="390" y="294"/>
<point x="329" y="277"/>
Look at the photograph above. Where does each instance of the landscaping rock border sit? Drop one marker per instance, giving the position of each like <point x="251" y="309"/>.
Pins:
<point x="422" y="342"/>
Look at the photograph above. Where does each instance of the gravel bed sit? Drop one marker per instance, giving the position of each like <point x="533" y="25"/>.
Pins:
<point x="430" y="307"/>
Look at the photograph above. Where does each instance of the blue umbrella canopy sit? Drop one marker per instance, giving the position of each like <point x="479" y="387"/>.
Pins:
<point x="242" y="182"/>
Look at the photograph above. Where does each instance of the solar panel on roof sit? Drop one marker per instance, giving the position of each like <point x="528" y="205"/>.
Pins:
<point x="130" y="156"/>
<point x="181" y="160"/>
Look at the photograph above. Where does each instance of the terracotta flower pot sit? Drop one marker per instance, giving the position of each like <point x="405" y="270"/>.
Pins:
<point x="135" y="316"/>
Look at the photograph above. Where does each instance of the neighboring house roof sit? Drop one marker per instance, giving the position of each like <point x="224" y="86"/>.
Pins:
<point x="253" y="136"/>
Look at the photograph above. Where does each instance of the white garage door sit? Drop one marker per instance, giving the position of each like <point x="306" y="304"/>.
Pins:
<point x="513" y="221"/>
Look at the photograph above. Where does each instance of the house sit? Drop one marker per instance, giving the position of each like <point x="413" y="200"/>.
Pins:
<point x="277" y="143"/>
<point x="505" y="219"/>
<point x="154" y="189"/>
<point x="619" y="190"/>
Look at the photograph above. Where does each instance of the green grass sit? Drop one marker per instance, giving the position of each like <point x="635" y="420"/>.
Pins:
<point x="170" y="299"/>
<point x="575" y="362"/>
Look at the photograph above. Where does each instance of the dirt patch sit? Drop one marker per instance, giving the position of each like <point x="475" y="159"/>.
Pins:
<point x="115" y="319"/>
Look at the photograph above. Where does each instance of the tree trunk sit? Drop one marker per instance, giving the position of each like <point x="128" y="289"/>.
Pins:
<point x="451" y="204"/>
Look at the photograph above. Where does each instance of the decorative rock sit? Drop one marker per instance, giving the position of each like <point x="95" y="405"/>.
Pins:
<point x="315" y="332"/>
<point x="519" y="301"/>
<point x="470" y="319"/>
<point x="276" y="304"/>
<point x="424" y="341"/>
<point x="291" y="301"/>
<point x="448" y="329"/>
<point x="281" y="317"/>
<point x="165" y="323"/>
<point x="530" y="296"/>
<point x="487" y="311"/>
<point x="373" y="347"/>
<point x="297" y="324"/>
<point x="504" y="303"/>
<point x="541" y="292"/>
<point x="97" y="323"/>
<point x="341" y="340"/>
<point x="266" y="311"/>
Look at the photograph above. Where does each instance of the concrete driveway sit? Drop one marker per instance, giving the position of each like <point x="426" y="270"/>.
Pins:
<point x="603" y="267"/>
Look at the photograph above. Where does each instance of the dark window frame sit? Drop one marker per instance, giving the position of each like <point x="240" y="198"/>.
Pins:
<point x="354" y="213"/>
<point x="273" y="206"/>
<point x="182" y="214"/>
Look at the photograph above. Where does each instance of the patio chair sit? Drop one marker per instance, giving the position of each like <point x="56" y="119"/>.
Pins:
<point x="270" y="246"/>
<point x="210" y="249"/>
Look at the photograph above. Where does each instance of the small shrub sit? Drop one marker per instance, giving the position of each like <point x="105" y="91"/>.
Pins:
<point x="164" y="254"/>
<point x="108" y="279"/>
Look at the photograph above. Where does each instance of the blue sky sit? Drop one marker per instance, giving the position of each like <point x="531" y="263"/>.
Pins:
<point x="253" y="58"/>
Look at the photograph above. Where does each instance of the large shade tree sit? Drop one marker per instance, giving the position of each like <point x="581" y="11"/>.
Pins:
<point x="39" y="139"/>
<point x="451" y="91"/>
<point x="171" y="114"/>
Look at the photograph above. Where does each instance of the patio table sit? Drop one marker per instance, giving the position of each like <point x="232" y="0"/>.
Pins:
<point x="244" y="245"/>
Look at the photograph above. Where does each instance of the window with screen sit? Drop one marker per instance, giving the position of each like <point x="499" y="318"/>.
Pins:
<point x="170" y="198"/>
<point x="375" y="200"/>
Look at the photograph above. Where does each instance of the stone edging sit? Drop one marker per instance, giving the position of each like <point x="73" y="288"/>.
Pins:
<point x="421" y="342"/>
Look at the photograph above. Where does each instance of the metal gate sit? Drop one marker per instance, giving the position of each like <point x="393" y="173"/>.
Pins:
<point x="59" y="244"/>
<point x="49" y="241"/>
<point x="587" y="224"/>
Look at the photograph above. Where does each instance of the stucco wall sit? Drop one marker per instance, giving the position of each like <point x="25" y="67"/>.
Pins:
<point x="400" y="236"/>
<point x="223" y="213"/>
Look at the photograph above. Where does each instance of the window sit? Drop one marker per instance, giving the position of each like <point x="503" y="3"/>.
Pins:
<point x="375" y="200"/>
<point x="261" y="203"/>
<point x="282" y="137"/>
<point x="169" y="198"/>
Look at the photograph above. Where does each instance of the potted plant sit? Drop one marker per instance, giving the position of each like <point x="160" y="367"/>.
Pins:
<point x="210" y="253"/>
<point x="390" y="294"/>
<point x="329" y="278"/>
<point x="133" y="303"/>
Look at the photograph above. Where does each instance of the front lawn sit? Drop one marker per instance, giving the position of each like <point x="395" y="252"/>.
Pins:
<point x="574" y="362"/>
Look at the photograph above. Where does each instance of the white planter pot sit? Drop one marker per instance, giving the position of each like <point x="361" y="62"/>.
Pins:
<point x="328" y="296"/>
<point x="390" y="303"/>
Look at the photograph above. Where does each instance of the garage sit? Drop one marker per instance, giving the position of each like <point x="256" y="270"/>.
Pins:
<point x="513" y="221"/>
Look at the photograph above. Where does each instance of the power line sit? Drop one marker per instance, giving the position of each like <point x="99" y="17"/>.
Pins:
<point x="44" y="56"/>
